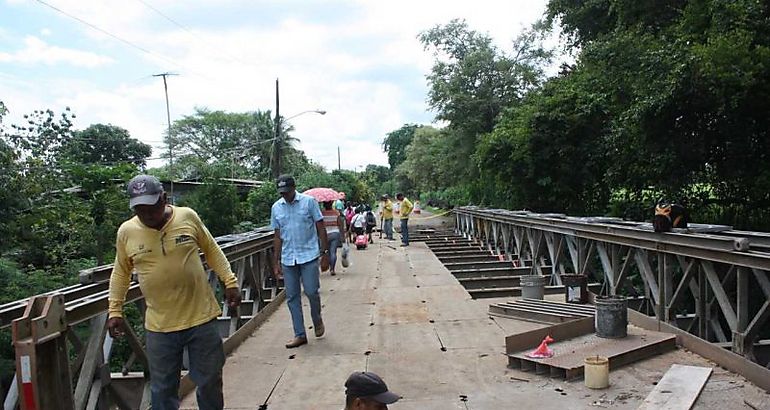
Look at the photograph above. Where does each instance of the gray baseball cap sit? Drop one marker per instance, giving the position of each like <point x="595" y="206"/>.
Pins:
<point x="285" y="183"/>
<point x="144" y="190"/>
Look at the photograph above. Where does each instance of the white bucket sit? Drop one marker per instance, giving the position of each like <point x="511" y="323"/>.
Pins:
<point x="597" y="372"/>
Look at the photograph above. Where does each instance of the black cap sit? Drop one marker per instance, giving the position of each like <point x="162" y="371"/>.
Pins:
<point x="370" y="386"/>
<point x="144" y="190"/>
<point x="285" y="183"/>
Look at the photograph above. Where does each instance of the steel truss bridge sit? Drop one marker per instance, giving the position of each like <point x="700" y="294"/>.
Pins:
<point x="63" y="349"/>
<point x="711" y="281"/>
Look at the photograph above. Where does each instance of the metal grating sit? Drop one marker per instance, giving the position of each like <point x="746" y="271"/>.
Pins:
<point x="541" y="311"/>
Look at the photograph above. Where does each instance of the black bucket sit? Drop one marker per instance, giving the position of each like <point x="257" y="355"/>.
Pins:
<point x="611" y="317"/>
<point x="532" y="286"/>
<point x="575" y="288"/>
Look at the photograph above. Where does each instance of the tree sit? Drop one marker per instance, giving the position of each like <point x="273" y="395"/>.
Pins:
<point x="429" y="160"/>
<point x="395" y="144"/>
<point x="687" y="86"/>
<point x="472" y="82"/>
<point x="547" y="153"/>
<point x="107" y="145"/>
<point x="243" y="140"/>
<point x="216" y="201"/>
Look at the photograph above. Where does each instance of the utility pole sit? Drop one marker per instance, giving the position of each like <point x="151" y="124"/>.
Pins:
<point x="277" y="138"/>
<point x="170" y="140"/>
<point x="339" y="164"/>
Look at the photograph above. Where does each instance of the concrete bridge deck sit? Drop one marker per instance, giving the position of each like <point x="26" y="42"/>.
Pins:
<point x="392" y="311"/>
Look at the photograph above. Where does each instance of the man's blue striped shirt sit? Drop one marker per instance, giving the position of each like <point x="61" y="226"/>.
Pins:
<point x="296" y="222"/>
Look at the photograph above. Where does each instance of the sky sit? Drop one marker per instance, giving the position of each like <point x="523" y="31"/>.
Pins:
<point x="358" y="60"/>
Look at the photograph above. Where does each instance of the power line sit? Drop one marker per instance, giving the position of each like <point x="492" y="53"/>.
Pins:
<point x="192" y="33"/>
<point x="122" y="40"/>
<point x="52" y="138"/>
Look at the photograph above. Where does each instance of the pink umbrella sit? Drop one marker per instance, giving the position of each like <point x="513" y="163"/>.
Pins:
<point x="323" y="194"/>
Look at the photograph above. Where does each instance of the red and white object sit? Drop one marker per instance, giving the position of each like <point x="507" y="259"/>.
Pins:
<point x="542" y="351"/>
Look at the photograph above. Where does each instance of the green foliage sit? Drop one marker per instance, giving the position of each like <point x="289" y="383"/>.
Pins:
<point x="106" y="145"/>
<point x="551" y="149"/>
<point x="460" y="195"/>
<point x="430" y="160"/>
<point x="243" y="140"/>
<point x="665" y="99"/>
<point x="472" y="83"/>
<point x="396" y="142"/>
<point x="216" y="201"/>
<point x="259" y="202"/>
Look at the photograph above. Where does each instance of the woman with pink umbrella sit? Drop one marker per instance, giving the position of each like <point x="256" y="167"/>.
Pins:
<point x="333" y="221"/>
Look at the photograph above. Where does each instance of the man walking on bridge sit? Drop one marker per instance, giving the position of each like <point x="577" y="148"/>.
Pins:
<point x="162" y="244"/>
<point x="405" y="210"/>
<point x="299" y="226"/>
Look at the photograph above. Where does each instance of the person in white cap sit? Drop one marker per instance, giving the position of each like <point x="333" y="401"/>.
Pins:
<point x="161" y="243"/>
<point x="367" y="391"/>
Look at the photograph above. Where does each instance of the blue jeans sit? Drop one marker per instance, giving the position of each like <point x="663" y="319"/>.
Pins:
<point x="334" y="239"/>
<point x="405" y="231"/>
<point x="306" y="273"/>
<point x="164" y="353"/>
<point x="388" y="228"/>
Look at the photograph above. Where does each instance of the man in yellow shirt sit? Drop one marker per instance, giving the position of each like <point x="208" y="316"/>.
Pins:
<point x="404" y="211"/>
<point x="387" y="216"/>
<point x="161" y="243"/>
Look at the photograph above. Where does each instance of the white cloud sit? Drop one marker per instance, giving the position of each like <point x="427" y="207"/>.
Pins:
<point x="45" y="32"/>
<point x="235" y="68"/>
<point x="37" y="51"/>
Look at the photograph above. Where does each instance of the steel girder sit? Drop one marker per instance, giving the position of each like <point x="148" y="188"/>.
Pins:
<point x="714" y="284"/>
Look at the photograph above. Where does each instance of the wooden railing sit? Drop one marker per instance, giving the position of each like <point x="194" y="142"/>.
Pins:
<point x="63" y="349"/>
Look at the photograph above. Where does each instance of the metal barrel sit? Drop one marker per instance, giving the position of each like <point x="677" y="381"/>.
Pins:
<point x="611" y="317"/>
<point x="532" y="286"/>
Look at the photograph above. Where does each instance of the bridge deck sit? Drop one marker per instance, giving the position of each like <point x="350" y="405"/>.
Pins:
<point x="391" y="312"/>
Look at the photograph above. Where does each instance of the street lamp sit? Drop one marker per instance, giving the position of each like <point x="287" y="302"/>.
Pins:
<point x="277" y="140"/>
<point x="322" y="112"/>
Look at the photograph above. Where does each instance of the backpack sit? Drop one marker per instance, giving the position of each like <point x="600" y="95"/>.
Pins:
<point x="370" y="219"/>
<point x="358" y="221"/>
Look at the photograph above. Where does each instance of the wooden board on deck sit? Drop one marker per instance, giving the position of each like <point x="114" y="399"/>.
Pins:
<point x="678" y="388"/>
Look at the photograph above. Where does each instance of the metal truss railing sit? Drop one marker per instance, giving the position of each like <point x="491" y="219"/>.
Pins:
<point x="711" y="281"/>
<point x="66" y="369"/>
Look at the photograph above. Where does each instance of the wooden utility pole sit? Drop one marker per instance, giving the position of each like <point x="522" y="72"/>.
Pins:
<point x="170" y="140"/>
<point x="277" y="137"/>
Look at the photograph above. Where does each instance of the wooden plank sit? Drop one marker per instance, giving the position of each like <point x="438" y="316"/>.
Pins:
<point x="678" y="389"/>
<point x="753" y="372"/>
<point x="94" y="356"/>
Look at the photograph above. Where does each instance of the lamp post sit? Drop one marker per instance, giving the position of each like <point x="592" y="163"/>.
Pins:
<point x="278" y="138"/>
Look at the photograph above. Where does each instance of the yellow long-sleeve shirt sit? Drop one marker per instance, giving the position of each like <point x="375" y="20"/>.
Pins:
<point x="387" y="210"/>
<point x="171" y="275"/>
<point x="406" y="208"/>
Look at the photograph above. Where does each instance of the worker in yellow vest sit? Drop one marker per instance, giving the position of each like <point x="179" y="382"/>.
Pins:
<point x="387" y="216"/>
<point x="405" y="210"/>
